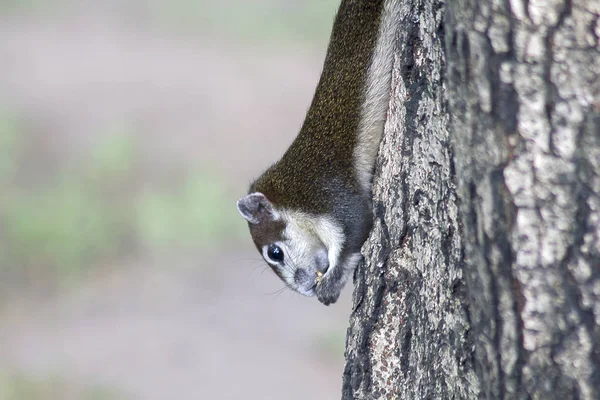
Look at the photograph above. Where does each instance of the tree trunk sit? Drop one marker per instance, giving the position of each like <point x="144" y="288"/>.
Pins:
<point x="482" y="273"/>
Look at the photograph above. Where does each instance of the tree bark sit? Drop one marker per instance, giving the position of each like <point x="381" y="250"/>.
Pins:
<point x="482" y="273"/>
<point x="409" y="329"/>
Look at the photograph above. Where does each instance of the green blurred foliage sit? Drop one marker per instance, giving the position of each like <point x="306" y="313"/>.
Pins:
<point x="259" y="20"/>
<point x="22" y="387"/>
<point x="64" y="227"/>
<point x="113" y="159"/>
<point x="197" y="213"/>
<point x="10" y="148"/>
<point x="9" y="6"/>
<point x="97" y="212"/>
<point x="272" y="20"/>
<point x="331" y="345"/>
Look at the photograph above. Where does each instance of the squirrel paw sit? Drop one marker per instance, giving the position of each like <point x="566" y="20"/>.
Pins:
<point x="328" y="290"/>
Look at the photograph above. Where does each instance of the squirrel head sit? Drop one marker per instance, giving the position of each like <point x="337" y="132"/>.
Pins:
<point x="301" y="249"/>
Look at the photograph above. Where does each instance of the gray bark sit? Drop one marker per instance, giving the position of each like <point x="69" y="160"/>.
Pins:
<point x="482" y="273"/>
<point x="409" y="329"/>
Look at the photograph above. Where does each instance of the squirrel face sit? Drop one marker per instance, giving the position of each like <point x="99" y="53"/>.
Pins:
<point x="301" y="249"/>
<point x="310" y="212"/>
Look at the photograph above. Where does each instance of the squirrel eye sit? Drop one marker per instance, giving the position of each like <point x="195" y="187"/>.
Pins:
<point x="275" y="253"/>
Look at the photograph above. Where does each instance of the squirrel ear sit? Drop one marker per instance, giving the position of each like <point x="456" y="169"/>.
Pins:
<point x="255" y="207"/>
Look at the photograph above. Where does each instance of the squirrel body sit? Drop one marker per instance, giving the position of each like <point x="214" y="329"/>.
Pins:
<point x="310" y="212"/>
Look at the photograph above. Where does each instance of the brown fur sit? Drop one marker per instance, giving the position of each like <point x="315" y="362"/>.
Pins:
<point x="320" y="160"/>
<point x="266" y="233"/>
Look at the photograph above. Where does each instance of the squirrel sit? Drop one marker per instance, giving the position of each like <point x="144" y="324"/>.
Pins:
<point x="310" y="212"/>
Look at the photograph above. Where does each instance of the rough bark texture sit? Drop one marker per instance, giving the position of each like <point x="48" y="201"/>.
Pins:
<point x="408" y="335"/>
<point x="524" y="80"/>
<point x="482" y="274"/>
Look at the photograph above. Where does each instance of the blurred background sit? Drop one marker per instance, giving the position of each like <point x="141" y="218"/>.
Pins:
<point x="128" y="128"/>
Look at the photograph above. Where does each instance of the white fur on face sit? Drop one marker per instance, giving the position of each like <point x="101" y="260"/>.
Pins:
<point x="287" y="273"/>
<point x="303" y="238"/>
<point x="305" y="232"/>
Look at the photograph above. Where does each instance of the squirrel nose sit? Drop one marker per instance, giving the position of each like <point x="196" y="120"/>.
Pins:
<point x="322" y="261"/>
